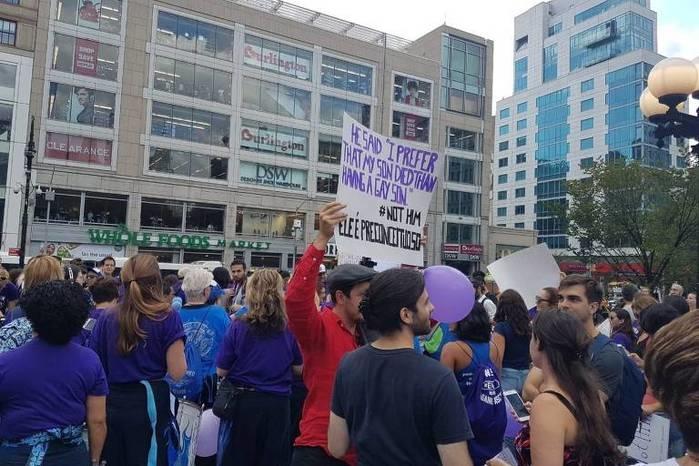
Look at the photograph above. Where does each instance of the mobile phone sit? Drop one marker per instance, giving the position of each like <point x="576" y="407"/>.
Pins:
<point x="89" y="324"/>
<point x="517" y="404"/>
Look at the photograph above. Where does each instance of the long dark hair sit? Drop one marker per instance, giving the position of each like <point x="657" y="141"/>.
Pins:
<point x="562" y="338"/>
<point x="626" y="328"/>
<point x="475" y="326"/>
<point x="511" y="308"/>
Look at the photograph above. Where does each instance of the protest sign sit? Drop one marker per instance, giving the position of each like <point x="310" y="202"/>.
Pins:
<point x="652" y="439"/>
<point x="527" y="271"/>
<point x="387" y="185"/>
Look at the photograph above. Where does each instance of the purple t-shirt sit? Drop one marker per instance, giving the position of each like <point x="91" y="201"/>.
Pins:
<point x="145" y="362"/>
<point x="43" y="386"/>
<point x="259" y="361"/>
<point x="623" y="340"/>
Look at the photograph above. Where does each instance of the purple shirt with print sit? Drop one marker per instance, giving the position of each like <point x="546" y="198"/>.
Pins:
<point x="145" y="362"/>
<point x="43" y="386"/>
<point x="259" y="361"/>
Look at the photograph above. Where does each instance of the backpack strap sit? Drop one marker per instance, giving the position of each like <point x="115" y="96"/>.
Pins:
<point x="460" y="345"/>
<point x="564" y="401"/>
<point x="599" y="342"/>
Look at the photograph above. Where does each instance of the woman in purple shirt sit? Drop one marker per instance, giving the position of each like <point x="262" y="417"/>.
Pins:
<point x="257" y="357"/>
<point x="50" y="386"/>
<point x="622" y="330"/>
<point x="139" y="341"/>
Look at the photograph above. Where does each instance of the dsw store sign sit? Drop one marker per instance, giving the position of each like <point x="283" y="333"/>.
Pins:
<point x="269" y="175"/>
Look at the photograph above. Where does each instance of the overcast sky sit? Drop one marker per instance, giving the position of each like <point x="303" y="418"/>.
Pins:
<point x="678" y="33"/>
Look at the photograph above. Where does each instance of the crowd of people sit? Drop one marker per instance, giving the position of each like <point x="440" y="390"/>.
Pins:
<point x="339" y="368"/>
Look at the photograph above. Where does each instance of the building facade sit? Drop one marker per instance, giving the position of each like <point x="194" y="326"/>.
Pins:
<point x="212" y="130"/>
<point x="579" y="70"/>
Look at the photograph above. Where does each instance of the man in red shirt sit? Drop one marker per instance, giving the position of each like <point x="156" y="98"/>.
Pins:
<point x="324" y="337"/>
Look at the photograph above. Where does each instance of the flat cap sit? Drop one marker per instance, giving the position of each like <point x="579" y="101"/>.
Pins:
<point x="348" y="275"/>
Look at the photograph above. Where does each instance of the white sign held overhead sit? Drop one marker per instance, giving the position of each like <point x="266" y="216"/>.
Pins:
<point x="387" y="185"/>
<point x="527" y="271"/>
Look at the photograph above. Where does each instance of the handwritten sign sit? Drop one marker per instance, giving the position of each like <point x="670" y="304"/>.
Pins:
<point x="652" y="439"/>
<point x="387" y="185"/>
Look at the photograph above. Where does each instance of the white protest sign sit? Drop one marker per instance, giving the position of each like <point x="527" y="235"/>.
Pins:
<point x="652" y="439"/>
<point x="387" y="185"/>
<point x="605" y="328"/>
<point x="527" y="271"/>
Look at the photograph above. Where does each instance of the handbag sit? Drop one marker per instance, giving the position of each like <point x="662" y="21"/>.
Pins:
<point x="226" y="398"/>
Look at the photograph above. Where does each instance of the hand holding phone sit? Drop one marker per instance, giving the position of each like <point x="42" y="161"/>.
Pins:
<point x="517" y="405"/>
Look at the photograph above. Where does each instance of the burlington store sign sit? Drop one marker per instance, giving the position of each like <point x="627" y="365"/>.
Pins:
<point x="122" y="237"/>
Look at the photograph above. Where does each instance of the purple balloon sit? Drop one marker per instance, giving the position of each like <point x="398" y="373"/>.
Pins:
<point x="207" y="443"/>
<point x="451" y="293"/>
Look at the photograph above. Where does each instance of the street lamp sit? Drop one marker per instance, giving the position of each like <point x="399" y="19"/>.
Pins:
<point x="29" y="153"/>
<point x="670" y="83"/>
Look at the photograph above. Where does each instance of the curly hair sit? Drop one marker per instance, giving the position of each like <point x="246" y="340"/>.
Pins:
<point x="56" y="309"/>
<point x="511" y="308"/>
<point x="265" y="302"/>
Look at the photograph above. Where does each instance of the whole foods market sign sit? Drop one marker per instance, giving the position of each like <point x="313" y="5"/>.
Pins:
<point x="122" y="237"/>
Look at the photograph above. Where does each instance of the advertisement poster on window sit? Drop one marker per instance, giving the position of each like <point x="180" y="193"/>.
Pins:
<point x="85" y="60"/>
<point x="410" y="127"/>
<point x="387" y="185"/>
<point x="89" y="13"/>
<point x="89" y="252"/>
<point x="82" y="106"/>
<point x="78" y="149"/>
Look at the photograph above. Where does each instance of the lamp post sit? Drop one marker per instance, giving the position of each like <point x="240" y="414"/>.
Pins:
<point x="670" y="83"/>
<point x="29" y="153"/>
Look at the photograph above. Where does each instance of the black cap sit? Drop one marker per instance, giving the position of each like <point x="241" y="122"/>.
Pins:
<point x="348" y="275"/>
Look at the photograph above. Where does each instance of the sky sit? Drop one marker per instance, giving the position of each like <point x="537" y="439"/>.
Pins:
<point x="494" y="19"/>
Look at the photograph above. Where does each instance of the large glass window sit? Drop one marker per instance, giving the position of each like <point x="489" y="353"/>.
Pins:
<point x="204" y="218"/>
<point x="410" y="127"/>
<point x="165" y="214"/>
<point x="277" y="99"/>
<point x="329" y="148"/>
<point x="275" y="139"/>
<point x="346" y="75"/>
<point x="273" y="176"/>
<point x="190" y="164"/>
<point x="77" y="104"/>
<point x="8" y="76"/>
<point x="8" y="32"/>
<point x="326" y="183"/>
<point x="85" y="208"/>
<point x="461" y="233"/>
<point x="5" y="135"/>
<point x="463" y="75"/>
<point x="332" y="108"/>
<point x="105" y="209"/>
<point x="465" y="171"/>
<point x="104" y="15"/>
<point x="550" y="62"/>
<point x="463" y="203"/>
<point x="463" y="139"/>
<point x="602" y="7"/>
<point x="85" y="57"/>
<point x="65" y="208"/>
<point x="276" y="57"/>
<point x="521" y="73"/>
<point x="266" y="223"/>
<point x="78" y="149"/>
<point x="194" y="36"/>
<point x="412" y="91"/>
<point x="198" y="81"/>
<point x="173" y="121"/>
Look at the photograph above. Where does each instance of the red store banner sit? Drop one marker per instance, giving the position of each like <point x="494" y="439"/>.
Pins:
<point x="85" y="60"/>
<point x="79" y="149"/>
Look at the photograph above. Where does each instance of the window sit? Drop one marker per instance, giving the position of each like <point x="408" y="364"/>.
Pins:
<point x="276" y="99"/>
<point x="345" y="75"/>
<point x="521" y="43"/>
<point x="190" y="164"/>
<point x="198" y="81"/>
<point x="6" y="112"/>
<point x="165" y="214"/>
<point x="326" y="183"/>
<point x="502" y="162"/>
<point x="8" y="75"/>
<point x="522" y="107"/>
<point x="173" y="121"/>
<point x="11" y="2"/>
<point x="412" y="91"/>
<point x="587" y="85"/>
<point x="520" y="192"/>
<point x="504" y="113"/>
<point x="85" y="57"/>
<point x="602" y="7"/>
<point x="502" y="179"/>
<point x="194" y="36"/>
<point x="587" y="104"/>
<point x="521" y="175"/>
<point x="521" y="74"/>
<point x="586" y="124"/>
<point x="550" y="62"/>
<point x="519" y="210"/>
<point x="410" y="127"/>
<point x="104" y="15"/>
<point x="266" y="223"/>
<point x="275" y="139"/>
<point x="519" y="225"/>
<point x="278" y="58"/>
<point x="504" y="129"/>
<point x="586" y="163"/>
<point x="78" y="149"/>
<point x="65" y="208"/>
<point x="502" y="211"/>
<point x="462" y="203"/>
<point x="75" y="104"/>
<point x="265" y="260"/>
<point x="204" y="217"/>
<point x="586" y="143"/>
<point x="463" y="75"/>
<point x="461" y="233"/>
<point x="521" y="158"/>
<point x="504" y="145"/>
<point x="81" y="208"/>
<point x="502" y="195"/>
<point x="555" y="29"/>
<point x="521" y="124"/>
<point x="273" y="176"/>
<point x="464" y="171"/>
<point x="521" y="141"/>
<point x="463" y="139"/>
<point x="329" y="148"/>
<point x="332" y="108"/>
<point x="8" y="32"/>
<point x="104" y="209"/>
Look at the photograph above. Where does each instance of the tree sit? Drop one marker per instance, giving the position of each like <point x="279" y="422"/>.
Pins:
<point x="633" y="214"/>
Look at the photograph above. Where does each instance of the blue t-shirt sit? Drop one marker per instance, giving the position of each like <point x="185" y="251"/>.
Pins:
<point x="516" y="347"/>
<point x="43" y="386"/>
<point x="205" y="325"/>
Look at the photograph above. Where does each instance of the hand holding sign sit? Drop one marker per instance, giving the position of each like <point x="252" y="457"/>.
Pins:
<point x="329" y="216"/>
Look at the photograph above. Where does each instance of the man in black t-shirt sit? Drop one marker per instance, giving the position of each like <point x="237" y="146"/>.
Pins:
<point x="392" y="404"/>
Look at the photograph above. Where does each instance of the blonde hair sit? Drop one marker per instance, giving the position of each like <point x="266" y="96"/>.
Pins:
<point x="195" y="281"/>
<point x="265" y="301"/>
<point x="42" y="269"/>
<point x="143" y="295"/>
<point x="641" y="302"/>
